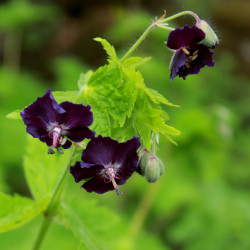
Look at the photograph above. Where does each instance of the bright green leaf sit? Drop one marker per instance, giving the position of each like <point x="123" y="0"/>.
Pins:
<point x="150" y="119"/>
<point x="65" y="96"/>
<point x="84" y="78"/>
<point x="16" y="211"/>
<point x="135" y="61"/>
<point x="91" y="223"/>
<point x="14" y="115"/>
<point x="101" y="124"/>
<point x="156" y="97"/>
<point x="109" y="49"/>
<point x="41" y="169"/>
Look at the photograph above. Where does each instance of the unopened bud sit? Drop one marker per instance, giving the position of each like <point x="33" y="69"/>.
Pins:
<point x="162" y="167"/>
<point x="211" y="40"/>
<point x="143" y="160"/>
<point x="152" y="170"/>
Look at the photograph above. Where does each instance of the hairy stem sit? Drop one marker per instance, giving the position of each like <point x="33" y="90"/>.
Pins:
<point x="188" y="12"/>
<point x="49" y="212"/>
<point x="157" y="24"/>
<point x="138" y="42"/>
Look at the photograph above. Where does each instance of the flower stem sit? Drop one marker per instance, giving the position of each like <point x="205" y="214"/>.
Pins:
<point x="157" y="24"/>
<point x="188" y="12"/>
<point x="137" y="43"/>
<point x="144" y="208"/>
<point x="165" y="27"/>
<point x="53" y="202"/>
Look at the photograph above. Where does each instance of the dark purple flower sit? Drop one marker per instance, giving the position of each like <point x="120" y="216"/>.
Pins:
<point x="106" y="164"/>
<point x="54" y="124"/>
<point x="190" y="55"/>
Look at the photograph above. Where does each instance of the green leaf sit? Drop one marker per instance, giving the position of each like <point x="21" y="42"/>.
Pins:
<point x="65" y="96"/>
<point x="144" y="132"/>
<point x="91" y="223"/>
<point x="14" y="115"/>
<point x="101" y="124"/>
<point x="150" y="119"/>
<point x="109" y="49"/>
<point x="41" y="169"/>
<point x="157" y="98"/>
<point x="135" y="61"/>
<point x="84" y="78"/>
<point x="16" y="211"/>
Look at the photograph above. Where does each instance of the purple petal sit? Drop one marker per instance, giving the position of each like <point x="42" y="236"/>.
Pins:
<point x="67" y="144"/>
<point x="80" y="133"/>
<point x="77" y="115"/>
<point x="177" y="61"/>
<point x="82" y="170"/>
<point x="204" y="58"/>
<point x="40" y="114"/>
<point x="97" y="184"/>
<point x="186" y="36"/>
<point x="126" y="155"/>
<point x="100" y="151"/>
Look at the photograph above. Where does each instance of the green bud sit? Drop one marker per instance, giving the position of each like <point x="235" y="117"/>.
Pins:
<point x="211" y="40"/>
<point x="162" y="167"/>
<point x="143" y="160"/>
<point x="152" y="170"/>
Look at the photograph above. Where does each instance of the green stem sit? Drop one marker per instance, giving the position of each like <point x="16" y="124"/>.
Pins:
<point x="164" y="27"/>
<point x="144" y="208"/>
<point x="42" y="232"/>
<point x="137" y="43"/>
<point x="54" y="200"/>
<point x="188" y="12"/>
<point x="157" y="24"/>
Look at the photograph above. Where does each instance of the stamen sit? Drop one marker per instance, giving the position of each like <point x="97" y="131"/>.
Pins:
<point x="195" y="53"/>
<point x="194" y="57"/>
<point x="110" y="176"/>
<point x="187" y="65"/>
<point x="185" y="51"/>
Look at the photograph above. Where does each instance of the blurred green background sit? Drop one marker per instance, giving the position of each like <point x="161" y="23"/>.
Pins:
<point x="202" y="201"/>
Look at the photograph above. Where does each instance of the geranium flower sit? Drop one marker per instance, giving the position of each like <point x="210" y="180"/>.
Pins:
<point x="106" y="164"/>
<point x="190" y="55"/>
<point x="55" y="124"/>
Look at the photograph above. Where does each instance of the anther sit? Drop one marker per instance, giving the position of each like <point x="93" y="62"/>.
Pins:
<point x="185" y="51"/>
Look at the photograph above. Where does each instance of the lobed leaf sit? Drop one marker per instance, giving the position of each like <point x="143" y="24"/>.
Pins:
<point x="65" y="96"/>
<point x="41" y="169"/>
<point x="91" y="223"/>
<point x="16" y="211"/>
<point x="135" y="61"/>
<point x="156" y="97"/>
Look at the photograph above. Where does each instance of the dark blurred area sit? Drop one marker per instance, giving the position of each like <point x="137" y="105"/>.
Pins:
<point x="202" y="201"/>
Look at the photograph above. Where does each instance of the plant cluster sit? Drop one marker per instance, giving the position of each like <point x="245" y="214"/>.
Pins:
<point x="115" y="121"/>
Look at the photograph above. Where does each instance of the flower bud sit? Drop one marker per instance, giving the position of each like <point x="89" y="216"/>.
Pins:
<point x="143" y="160"/>
<point x="152" y="170"/>
<point x="162" y="167"/>
<point x="211" y="40"/>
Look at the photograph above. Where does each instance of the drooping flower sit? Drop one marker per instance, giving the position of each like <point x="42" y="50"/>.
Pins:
<point x="106" y="164"/>
<point x="190" y="55"/>
<point x="57" y="124"/>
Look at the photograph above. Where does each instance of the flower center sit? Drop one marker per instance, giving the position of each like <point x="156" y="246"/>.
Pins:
<point x="110" y="174"/>
<point x="58" y="139"/>
<point x="190" y="57"/>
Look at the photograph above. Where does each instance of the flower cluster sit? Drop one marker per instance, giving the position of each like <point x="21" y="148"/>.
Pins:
<point x="191" y="51"/>
<point x="105" y="162"/>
